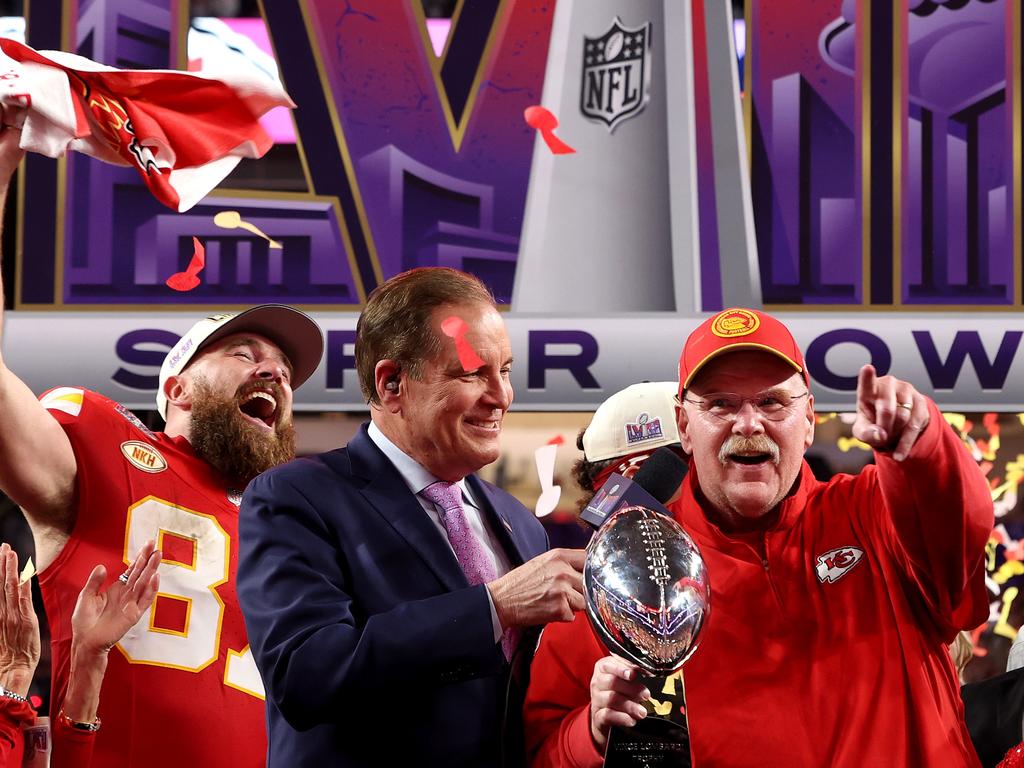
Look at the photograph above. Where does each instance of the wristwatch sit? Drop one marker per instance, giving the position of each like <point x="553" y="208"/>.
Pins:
<point x="78" y="725"/>
<point x="12" y="695"/>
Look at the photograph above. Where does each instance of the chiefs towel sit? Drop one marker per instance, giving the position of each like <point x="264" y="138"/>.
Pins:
<point x="183" y="132"/>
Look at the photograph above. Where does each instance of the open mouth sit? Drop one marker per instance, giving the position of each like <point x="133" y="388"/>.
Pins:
<point x="260" y="406"/>
<point x="750" y="459"/>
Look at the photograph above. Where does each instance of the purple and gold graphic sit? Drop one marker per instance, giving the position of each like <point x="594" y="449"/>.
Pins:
<point x="882" y="147"/>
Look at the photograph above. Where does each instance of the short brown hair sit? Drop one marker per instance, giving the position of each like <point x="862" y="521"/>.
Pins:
<point x="395" y="323"/>
<point x="584" y="472"/>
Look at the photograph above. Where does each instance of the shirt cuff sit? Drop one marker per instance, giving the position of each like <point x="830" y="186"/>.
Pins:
<point x="495" y="624"/>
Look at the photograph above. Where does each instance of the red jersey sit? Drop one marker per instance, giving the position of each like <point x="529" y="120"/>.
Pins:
<point x="826" y="641"/>
<point x="181" y="687"/>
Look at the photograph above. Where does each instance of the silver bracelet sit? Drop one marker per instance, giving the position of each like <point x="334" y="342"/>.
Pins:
<point x="12" y="695"/>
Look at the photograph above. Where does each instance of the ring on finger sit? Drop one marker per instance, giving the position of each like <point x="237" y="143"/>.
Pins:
<point x="123" y="578"/>
<point x="908" y="406"/>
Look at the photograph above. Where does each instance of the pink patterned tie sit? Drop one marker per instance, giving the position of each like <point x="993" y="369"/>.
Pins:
<point x="476" y="562"/>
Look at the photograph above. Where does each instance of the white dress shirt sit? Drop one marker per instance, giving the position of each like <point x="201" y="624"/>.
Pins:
<point x="418" y="478"/>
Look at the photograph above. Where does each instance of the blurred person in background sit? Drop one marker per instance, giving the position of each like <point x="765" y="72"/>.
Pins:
<point x="624" y="431"/>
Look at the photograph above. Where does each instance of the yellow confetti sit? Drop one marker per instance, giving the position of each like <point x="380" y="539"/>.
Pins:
<point x="846" y="444"/>
<point x="27" y="572"/>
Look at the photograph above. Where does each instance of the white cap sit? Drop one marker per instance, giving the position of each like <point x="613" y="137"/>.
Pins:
<point x="295" y="332"/>
<point x="641" y="417"/>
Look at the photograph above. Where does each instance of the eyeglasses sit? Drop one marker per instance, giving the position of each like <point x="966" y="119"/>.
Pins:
<point x="773" y="404"/>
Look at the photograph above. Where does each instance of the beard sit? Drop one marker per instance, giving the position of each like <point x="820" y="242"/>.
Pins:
<point x="222" y="437"/>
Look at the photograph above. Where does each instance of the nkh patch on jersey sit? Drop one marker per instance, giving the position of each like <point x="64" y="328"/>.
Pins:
<point x="836" y="563"/>
<point x="66" y="399"/>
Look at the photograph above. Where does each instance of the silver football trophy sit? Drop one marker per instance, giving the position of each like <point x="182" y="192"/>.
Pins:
<point x="648" y="598"/>
<point x="619" y="220"/>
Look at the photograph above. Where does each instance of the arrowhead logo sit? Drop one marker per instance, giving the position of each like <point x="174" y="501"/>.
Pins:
<point x="836" y="563"/>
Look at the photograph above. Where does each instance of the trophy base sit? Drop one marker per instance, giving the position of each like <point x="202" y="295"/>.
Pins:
<point x="652" y="743"/>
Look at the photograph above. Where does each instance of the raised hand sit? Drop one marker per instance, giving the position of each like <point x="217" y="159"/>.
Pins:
<point x="102" y="617"/>
<point x="19" y="627"/>
<point x="891" y="414"/>
<point x="616" y="698"/>
<point x="547" y="588"/>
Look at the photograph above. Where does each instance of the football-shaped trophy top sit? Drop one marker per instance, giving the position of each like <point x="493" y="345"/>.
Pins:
<point x="646" y="589"/>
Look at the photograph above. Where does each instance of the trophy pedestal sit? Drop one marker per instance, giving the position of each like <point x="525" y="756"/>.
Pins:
<point x="652" y="743"/>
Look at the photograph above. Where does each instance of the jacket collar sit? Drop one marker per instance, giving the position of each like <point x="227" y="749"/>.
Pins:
<point x="389" y="494"/>
<point x="692" y="513"/>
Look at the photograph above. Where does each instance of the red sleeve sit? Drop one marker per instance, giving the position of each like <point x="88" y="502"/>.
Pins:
<point x="72" y="748"/>
<point x="14" y="715"/>
<point x="939" y="519"/>
<point x="556" y="713"/>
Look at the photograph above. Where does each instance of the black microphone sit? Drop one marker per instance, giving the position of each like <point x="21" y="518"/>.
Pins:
<point x="661" y="474"/>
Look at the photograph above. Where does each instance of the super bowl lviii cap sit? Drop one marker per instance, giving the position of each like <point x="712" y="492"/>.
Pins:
<point x="737" y="329"/>
<point x="295" y="332"/>
<point x="639" y="418"/>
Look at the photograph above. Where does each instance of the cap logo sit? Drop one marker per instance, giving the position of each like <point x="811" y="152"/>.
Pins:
<point x="180" y="352"/>
<point x="643" y="429"/>
<point x="735" y="322"/>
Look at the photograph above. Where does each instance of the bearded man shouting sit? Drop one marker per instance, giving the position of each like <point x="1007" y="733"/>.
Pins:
<point x="181" y="687"/>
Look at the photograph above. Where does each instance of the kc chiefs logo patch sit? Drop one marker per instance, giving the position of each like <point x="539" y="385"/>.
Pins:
<point x="734" y="322"/>
<point x="836" y="563"/>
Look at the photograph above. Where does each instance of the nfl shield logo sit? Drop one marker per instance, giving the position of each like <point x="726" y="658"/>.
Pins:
<point x="616" y="73"/>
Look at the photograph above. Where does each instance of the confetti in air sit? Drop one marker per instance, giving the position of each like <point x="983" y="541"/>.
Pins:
<point x="27" y="572"/>
<point x="455" y="327"/>
<point x="549" y="492"/>
<point x="189" y="279"/>
<point x="544" y="121"/>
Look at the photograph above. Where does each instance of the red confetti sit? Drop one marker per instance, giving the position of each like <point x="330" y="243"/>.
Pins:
<point x="556" y="440"/>
<point x="544" y="121"/>
<point x="456" y="328"/>
<point x="187" y="280"/>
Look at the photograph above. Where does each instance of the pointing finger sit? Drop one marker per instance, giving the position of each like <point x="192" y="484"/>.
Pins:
<point x="866" y="384"/>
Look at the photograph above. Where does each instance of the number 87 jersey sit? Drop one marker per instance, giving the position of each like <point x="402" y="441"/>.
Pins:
<point x="181" y="687"/>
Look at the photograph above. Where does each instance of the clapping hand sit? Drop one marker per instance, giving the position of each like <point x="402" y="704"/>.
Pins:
<point x="102" y="617"/>
<point x="19" y="627"/>
<point x="891" y="414"/>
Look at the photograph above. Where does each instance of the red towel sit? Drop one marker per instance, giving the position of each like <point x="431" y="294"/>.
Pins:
<point x="183" y="132"/>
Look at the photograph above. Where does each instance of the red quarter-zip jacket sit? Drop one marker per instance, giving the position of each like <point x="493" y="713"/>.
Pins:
<point x="826" y="643"/>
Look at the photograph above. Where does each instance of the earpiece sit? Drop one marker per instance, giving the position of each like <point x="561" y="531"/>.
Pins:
<point x="391" y="386"/>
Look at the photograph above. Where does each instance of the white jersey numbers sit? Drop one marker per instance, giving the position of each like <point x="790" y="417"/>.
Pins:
<point x="182" y="628"/>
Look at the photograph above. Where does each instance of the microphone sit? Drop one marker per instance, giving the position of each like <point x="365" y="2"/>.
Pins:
<point x="659" y="477"/>
<point x="661" y="474"/>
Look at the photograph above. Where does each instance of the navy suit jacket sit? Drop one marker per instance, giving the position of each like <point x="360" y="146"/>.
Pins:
<point x="373" y="648"/>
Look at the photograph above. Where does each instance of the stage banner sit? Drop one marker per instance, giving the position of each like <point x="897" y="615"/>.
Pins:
<point x="852" y="164"/>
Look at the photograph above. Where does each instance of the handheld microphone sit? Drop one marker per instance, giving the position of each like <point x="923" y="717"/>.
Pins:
<point x="661" y="474"/>
<point x="658" y="478"/>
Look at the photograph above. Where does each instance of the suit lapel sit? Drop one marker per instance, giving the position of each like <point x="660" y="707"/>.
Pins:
<point x="387" y="492"/>
<point x="509" y="532"/>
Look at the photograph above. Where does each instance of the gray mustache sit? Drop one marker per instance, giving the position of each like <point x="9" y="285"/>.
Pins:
<point x="754" y="444"/>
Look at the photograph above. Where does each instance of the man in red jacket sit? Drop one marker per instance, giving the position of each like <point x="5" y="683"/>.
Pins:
<point x="832" y="603"/>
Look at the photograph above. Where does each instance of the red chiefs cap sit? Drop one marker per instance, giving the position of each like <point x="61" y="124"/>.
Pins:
<point x="736" y="329"/>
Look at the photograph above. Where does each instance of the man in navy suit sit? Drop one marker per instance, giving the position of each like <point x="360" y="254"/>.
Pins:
<point x="385" y="587"/>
